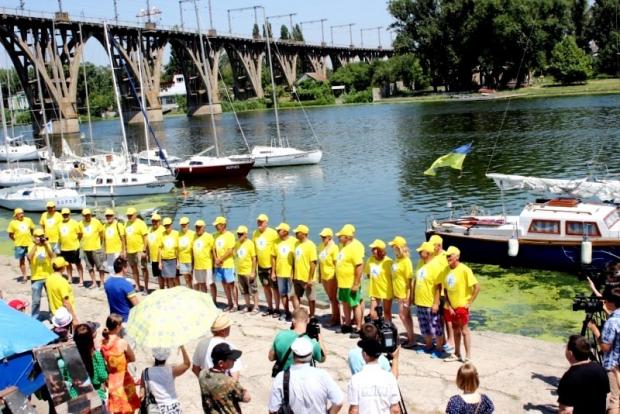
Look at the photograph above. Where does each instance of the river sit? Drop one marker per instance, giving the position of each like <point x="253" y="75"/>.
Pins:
<point x="372" y="176"/>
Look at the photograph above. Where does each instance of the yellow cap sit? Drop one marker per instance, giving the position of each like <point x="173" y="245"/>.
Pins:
<point x="167" y="221"/>
<point x="108" y="212"/>
<point x="155" y="217"/>
<point x="131" y="211"/>
<point x="398" y="242"/>
<point x="346" y="230"/>
<point x="59" y="262"/>
<point x="435" y="239"/>
<point x="200" y="223"/>
<point x="326" y="232"/>
<point x="453" y="250"/>
<point x="219" y="220"/>
<point x="65" y="211"/>
<point x="38" y="233"/>
<point x="302" y="228"/>
<point x="262" y="217"/>
<point x="184" y="220"/>
<point x="349" y="227"/>
<point x="50" y="204"/>
<point x="17" y="211"/>
<point x="426" y="247"/>
<point x="283" y="226"/>
<point x="377" y="244"/>
<point x="86" y="211"/>
<point x="242" y="229"/>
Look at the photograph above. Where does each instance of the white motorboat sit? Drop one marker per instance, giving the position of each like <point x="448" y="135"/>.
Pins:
<point x="265" y="156"/>
<point x="22" y="176"/>
<point x="16" y="149"/>
<point x="121" y="184"/>
<point x="36" y="198"/>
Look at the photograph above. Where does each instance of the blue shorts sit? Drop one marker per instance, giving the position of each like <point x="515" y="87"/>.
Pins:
<point x="56" y="248"/>
<point x="285" y="286"/>
<point x="224" y="275"/>
<point x="21" y="252"/>
<point x="185" y="268"/>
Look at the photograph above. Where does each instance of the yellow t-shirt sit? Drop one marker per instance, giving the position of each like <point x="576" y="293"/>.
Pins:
<point x="327" y="260"/>
<point x="225" y="241"/>
<point x="361" y="250"/>
<point x="305" y="254"/>
<point x="244" y="252"/>
<point x="135" y="232"/>
<point x="203" y="252"/>
<point x="21" y="230"/>
<point x="402" y="273"/>
<point x="50" y="224"/>
<point x="185" y="246"/>
<point x="284" y="251"/>
<point x="41" y="265"/>
<point x="349" y="257"/>
<point x="112" y="234"/>
<point x="380" y="274"/>
<point x="264" y="246"/>
<point x="460" y="282"/>
<point x="58" y="288"/>
<point x="441" y="261"/>
<point x="69" y="231"/>
<point x="91" y="234"/>
<point x="169" y="245"/>
<point x="427" y="278"/>
<point x="154" y="241"/>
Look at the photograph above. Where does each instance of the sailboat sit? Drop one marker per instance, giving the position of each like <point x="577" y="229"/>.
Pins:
<point x="280" y="153"/>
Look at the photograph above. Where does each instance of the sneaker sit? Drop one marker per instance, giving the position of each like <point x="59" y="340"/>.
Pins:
<point x="354" y="335"/>
<point x="276" y="314"/>
<point x="345" y="329"/>
<point x="452" y="358"/>
<point x="449" y="349"/>
<point x="282" y="317"/>
<point x="267" y="312"/>
<point x="423" y="351"/>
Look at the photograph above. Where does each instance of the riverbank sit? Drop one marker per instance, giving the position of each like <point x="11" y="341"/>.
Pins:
<point x="518" y="373"/>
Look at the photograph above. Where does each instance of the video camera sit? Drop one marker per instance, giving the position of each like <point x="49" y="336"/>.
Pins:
<point x="388" y="334"/>
<point x="590" y="304"/>
<point x="314" y="328"/>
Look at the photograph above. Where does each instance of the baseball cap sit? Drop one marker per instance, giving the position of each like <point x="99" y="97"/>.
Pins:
<point x="346" y="230"/>
<point x="86" y="211"/>
<point x="426" y="247"/>
<point x="453" y="250"/>
<point x="200" y="223"/>
<point x="18" y="304"/>
<point x="326" y="232"/>
<point x="283" y="226"/>
<point x="131" y="211"/>
<point x="242" y="230"/>
<point x="262" y="217"/>
<point x="155" y="217"/>
<point x="371" y="347"/>
<point x="59" y="262"/>
<point x="398" y="241"/>
<point x="219" y="220"/>
<point x="38" y="233"/>
<point x="221" y="322"/>
<point x="17" y="211"/>
<point x="377" y="244"/>
<point x="184" y="220"/>
<point x="167" y="221"/>
<point x="435" y="239"/>
<point x="302" y="347"/>
<point x="302" y="228"/>
<point x="50" y="204"/>
<point x="108" y="212"/>
<point x="65" y="211"/>
<point x="223" y="352"/>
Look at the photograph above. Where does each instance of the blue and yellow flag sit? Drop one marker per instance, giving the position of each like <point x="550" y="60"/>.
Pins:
<point x="453" y="160"/>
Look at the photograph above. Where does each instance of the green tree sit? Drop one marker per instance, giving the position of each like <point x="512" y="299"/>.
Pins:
<point x="173" y="67"/>
<point x="354" y="76"/>
<point x="284" y="34"/>
<point x="569" y="63"/>
<point x="297" y="34"/>
<point x="580" y="16"/>
<point x="604" y="30"/>
<point x="270" y="36"/>
<point x="255" y="31"/>
<point x="100" y="89"/>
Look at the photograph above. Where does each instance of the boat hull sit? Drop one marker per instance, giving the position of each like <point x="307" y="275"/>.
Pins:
<point x="11" y="198"/>
<point x="201" y="172"/>
<point x="157" y="187"/>
<point x="536" y="254"/>
<point x="283" y="159"/>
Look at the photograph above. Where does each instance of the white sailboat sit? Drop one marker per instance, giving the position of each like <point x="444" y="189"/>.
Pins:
<point x="16" y="149"/>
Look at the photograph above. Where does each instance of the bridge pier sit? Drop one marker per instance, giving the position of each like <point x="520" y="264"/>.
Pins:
<point x="246" y="60"/>
<point x="288" y="63"/>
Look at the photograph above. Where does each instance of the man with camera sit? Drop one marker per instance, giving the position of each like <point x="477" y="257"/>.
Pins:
<point x="609" y="344"/>
<point x="304" y="388"/>
<point x="356" y="358"/>
<point x="281" y="351"/>
<point x="40" y="257"/>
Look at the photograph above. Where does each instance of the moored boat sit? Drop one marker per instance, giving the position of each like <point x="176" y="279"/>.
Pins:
<point x="268" y="156"/>
<point x="36" y="198"/>
<point x="205" y="167"/>
<point x="121" y="184"/>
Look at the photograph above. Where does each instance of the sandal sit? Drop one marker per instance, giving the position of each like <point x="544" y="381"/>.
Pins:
<point x="452" y="358"/>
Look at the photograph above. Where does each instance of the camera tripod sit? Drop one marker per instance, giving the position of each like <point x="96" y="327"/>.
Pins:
<point x="401" y="403"/>
<point x="598" y="318"/>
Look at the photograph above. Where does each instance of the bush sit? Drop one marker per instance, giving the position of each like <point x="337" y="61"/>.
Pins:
<point x="241" y="106"/>
<point x="358" y="97"/>
<point x="569" y="63"/>
<point x="318" y="92"/>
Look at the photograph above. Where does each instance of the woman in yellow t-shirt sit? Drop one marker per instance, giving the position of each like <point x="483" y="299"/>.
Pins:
<point x="328" y="252"/>
<point x="402" y="276"/>
<point x="186" y="240"/>
<point x="379" y="270"/>
<point x="168" y="253"/>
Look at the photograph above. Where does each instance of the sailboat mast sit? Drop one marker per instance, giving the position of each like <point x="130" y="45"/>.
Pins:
<point x="273" y="82"/>
<point x="207" y="71"/>
<point x="142" y="103"/>
<point x="48" y="144"/>
<point x="90" y="126"/>
<point x="5" y="131"/>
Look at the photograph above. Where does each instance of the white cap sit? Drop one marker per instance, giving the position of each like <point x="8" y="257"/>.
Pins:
<point x="302" y="347"/>
<point x="161" y="354"/>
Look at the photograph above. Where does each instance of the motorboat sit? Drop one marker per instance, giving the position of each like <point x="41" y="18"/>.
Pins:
<point x="206" y="167"/>
<point x="16" y="149"/>
<point x="22" y="176"/>
<point x="275" y="156"/>
<point x="36" y="198"/>
<point x="121" y="184"/>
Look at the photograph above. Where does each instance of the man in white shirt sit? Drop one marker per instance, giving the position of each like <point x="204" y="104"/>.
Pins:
<point x="202" y="355"/>
<point x="310" y="388"/>
<point x="373" y="390"/>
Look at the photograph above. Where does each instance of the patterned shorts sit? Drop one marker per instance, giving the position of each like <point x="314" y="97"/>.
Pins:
<point x="430" y="323"/>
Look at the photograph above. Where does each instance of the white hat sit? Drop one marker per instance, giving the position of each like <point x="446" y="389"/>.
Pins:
<point x="302" y="347"/>
<point x="61" y="318"/>
<point x="161" y="354"/>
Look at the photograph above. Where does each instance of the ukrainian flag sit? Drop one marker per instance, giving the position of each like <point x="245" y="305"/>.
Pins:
<point x="453" y="160"/>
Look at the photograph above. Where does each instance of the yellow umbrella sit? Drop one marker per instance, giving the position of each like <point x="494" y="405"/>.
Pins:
<point x="171" y="318"/>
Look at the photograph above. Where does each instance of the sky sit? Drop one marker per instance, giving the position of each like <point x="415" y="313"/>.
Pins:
<point x="365" y="14"/>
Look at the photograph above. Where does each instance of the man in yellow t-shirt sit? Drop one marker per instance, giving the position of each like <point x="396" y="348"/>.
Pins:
<point x="40" y="257"/>
<point x="186" y="239"/>
<point x="92" y="242"/>
<point x="402" y="275"/>
<point x="426" y="294"/>
<point x="20" y="231"/>
<point x="441" y="262"/>
<point x="304" y="269"/>
<point x="282" y="262"/>
<point x="264" y="237"/>
<point x="59" y="290"/>
<point x="462" y="288"/>
<point x="114" y="240"/>
<point x="378" y="269"/>
<point x="153" y="240"/>
<point x="202" y="253"/>
<point x="70" y="236"/>
<point x="349" y="267"/>
<point x="245" y="267"/>
<point x="135" y="238"/>
<point x="168" y="254"/>
<point x="224" y="264"/>
<point x="50" y="220"/>
<point x="327" y="272"/>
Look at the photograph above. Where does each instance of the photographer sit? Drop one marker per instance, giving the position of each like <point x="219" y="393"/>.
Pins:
<point x="356" y="358"/>
<point x="281" y="350"/>
<point x="609" y="344"/>
<point x="40" y="257"/>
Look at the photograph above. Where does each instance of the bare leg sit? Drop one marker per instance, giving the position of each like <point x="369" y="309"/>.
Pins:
<point x="387" y="309"/>
<point x="405" y="317"/>
<point x="346" y="310"/>
<point x="457" y="339"/>
<point x="373" y="308"/>
<point x="450" y="333"/>
<point x="331" y="288"/>
<point x="268" y="295"/>
<point x="466" y="333"/>
<point x="91" y="273"/>
<point x="136" y="276"/>
<point x="235" y="292"/>
<point x="276" y="298"/>
<point x="312" y="307"/>
<point x="295" y="301"/>
<point x="145" y="273"/>
<point x="22" y="268"/>
<point x="188" y="280"/>
<point x="80" y="270"/>
<point x="102" y="277"/>
<point x="160" y="281"/>
<point x="228" y="291"/>
<point x="213" y="289"/>
<point x="357" y="311"/>
<point x="70" y="272"/>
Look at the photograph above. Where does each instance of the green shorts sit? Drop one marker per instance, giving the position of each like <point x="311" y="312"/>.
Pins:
<point x="345" y="296"/>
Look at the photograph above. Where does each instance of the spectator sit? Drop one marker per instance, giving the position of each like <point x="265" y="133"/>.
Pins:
<point x="62" y="324"/>
<point x="159" y="380"/>
<point x="609" y="344"/>
<point x="20" y="231"/>
<point x="356" y="357"/>
<point x="119" y="291"/>
<point x="470" y="401"/>
<point x="220" y="392"/>
<point x="40" y="256"/>
<point x="281" y="350"/>
<point x="59" y="290"/>
<point x="202" y="355"/>
<point x="93" y="360"/>
<point x="373" y="390"/>
<point x="584" y="387"/>
<point x="310" y="389"/>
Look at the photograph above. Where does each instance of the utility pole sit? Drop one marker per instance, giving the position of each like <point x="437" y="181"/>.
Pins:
<point x="242" y="9"/>
<point x="350" y="25"/>
<point x="378" y="29"/>
<point x="301" y="25"/>
<point x="60" y="6"/>
<point x="181" y="14"/>
<point x="116" y="11"/>
<point x="211" y="28"/>
<point x="22" y="4"/>
<point x="290" y="17"/>
<point x="379" y="35"/>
